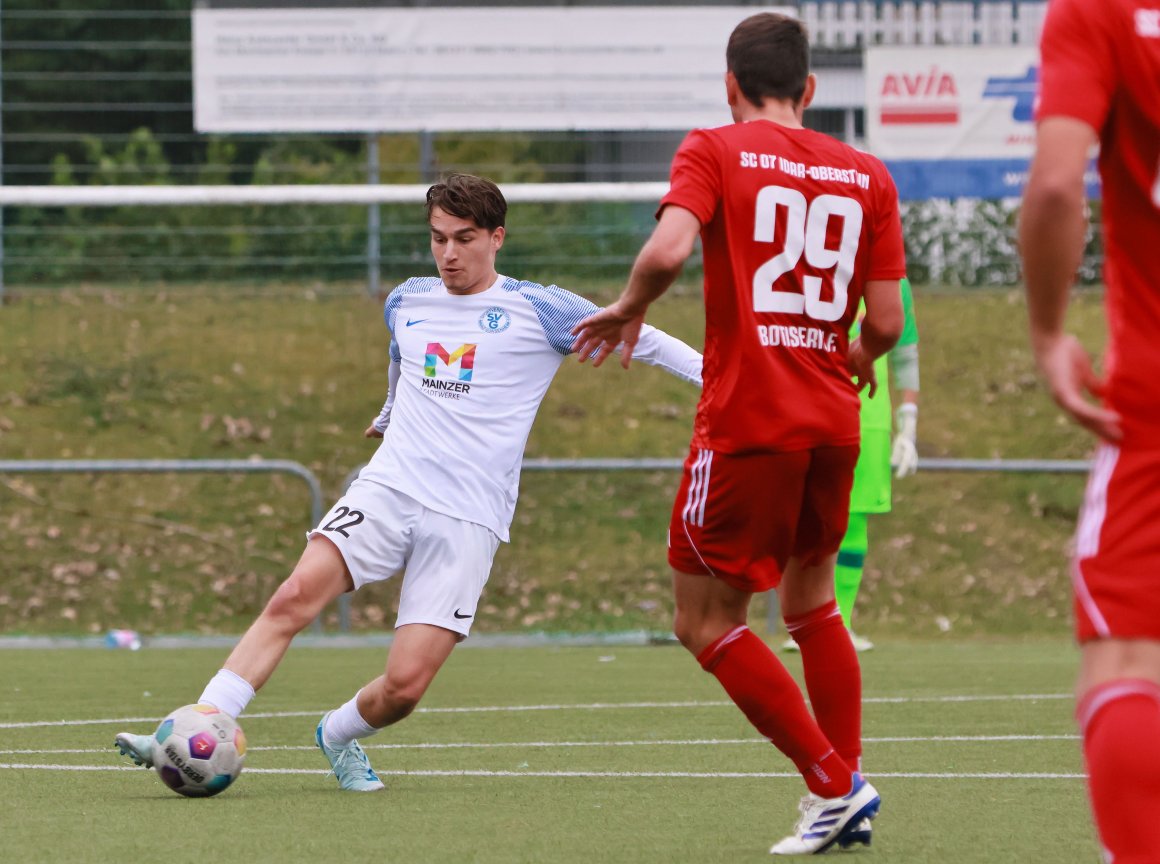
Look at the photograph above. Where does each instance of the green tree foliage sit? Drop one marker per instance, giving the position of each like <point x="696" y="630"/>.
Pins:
<point x="58" y="67"/>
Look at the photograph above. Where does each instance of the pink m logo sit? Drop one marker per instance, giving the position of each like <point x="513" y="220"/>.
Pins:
<point x="464" y="355"/>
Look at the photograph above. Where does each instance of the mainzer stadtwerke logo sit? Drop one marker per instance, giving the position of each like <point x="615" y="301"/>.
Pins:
<point x="494" y="320"/>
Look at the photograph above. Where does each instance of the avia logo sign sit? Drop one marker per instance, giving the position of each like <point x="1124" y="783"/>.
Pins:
<point x="930" y="97"/>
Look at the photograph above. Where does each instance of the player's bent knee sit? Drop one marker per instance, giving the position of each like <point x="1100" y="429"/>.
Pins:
<point x="688" y="638"/>
<point x="291" y="607"/>
<point x="684" y="630"/>
<point x="1106" y="660"/>
<point x="403" y="697"/>
<point x="696" y="633"/>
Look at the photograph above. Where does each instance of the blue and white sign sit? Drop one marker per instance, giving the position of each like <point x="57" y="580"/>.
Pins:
<point x="954" y="122"/>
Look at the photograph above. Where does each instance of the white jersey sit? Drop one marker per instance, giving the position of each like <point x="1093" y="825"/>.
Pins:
<point x="468" y="375"/>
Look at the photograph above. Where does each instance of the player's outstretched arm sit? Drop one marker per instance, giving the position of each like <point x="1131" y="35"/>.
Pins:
<point x="658" y="348"/>
<point x="656" y="267"/>
<point x="1051" y="239"/>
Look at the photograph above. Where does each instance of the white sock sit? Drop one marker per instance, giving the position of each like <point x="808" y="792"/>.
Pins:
<point x="228" y="692"/>
<point x="345" y="724"/>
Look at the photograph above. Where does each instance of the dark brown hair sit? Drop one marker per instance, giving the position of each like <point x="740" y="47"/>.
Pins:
<point x="769" y="55"/>
<point x="469" y="197"/>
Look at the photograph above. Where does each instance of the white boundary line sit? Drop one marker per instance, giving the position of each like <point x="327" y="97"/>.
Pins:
<point x="693" y="742"/>
<point x="592" y="706"/>
<point x="630" y="775"/>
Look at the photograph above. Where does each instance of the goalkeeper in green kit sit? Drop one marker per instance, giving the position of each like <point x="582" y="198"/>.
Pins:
<point x="879" y="458"/>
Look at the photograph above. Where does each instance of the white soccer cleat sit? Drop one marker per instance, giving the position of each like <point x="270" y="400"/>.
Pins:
<point x="859" y="836"/>
<point x="826" y="821"/>
<point x="139" y="748"/>
<point x="790" y="644"/>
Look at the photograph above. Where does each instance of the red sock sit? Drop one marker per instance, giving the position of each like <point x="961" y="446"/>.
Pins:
<point x="833" y="678"/>
<point x="1120" y="722"/>
<point x="762" y="688"/>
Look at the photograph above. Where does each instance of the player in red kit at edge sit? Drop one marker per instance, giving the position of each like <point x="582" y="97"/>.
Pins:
<point x="796" y="228"/>
<point x="1100" y="83"/>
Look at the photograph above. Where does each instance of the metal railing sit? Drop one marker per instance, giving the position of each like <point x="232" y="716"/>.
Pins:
<point x="172" y="466"/>
<point x="183" y="466"/>
<point x="773" y="612"/>
<point x="1000" y="466"/>
<point x="243" y="466"/>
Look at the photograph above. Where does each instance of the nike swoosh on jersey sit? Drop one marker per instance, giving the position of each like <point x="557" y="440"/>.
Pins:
<point x="411" y="323"/>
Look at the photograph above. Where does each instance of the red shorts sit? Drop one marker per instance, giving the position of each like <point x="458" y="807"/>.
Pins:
<point x="741" y="517"/>
<point x="1116" y="569"/>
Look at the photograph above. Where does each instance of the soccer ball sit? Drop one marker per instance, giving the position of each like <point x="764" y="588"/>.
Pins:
<point x="198" y="750"/>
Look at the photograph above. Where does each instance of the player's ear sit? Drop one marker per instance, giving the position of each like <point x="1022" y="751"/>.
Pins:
<point x="810" y="91"/>
<point x="497" y="237"/>
<point x="732" y="91"/>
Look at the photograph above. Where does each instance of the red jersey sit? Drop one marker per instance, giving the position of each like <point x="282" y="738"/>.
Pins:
<point x="793" y="224"/>
<point x="1101" y="65"/>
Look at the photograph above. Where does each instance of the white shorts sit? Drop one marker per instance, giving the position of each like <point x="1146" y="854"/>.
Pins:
<point x="380" y="531"/>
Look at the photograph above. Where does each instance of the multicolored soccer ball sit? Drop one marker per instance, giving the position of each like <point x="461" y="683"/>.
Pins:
<point x="198" y="750"/>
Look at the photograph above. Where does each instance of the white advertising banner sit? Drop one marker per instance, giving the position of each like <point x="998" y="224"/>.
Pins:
<point x="461" y="68"/>
<point x="962" y="102"/>
<point x="954" y="122"/>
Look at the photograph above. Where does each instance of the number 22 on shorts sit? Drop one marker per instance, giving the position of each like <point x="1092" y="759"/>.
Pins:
<point x="342" y="512"/>
<point x="806" y="226"/>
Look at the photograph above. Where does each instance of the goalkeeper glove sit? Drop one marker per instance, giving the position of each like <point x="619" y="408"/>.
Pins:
<point x="904" y="455"/>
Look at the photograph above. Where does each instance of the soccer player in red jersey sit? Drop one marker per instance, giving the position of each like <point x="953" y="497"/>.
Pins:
<point x="796" y="228"/>
<point x="1100" y="83"/>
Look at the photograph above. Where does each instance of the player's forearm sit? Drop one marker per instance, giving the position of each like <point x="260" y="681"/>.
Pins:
<point x="884" y="320"/>
<point x="875" y="343"/>
<point x="881" y="329"/>
<point x="652" y="274"/>
<point x="660" y="260"/>
<point x="384" y="419"/>
<point x="1051" y="235"/>
<point x="658" y="348"/>
<point x="1052" y="222"/>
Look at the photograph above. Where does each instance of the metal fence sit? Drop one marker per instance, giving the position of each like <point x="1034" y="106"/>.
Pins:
<point x="239" y="466"/>
<point x="846" y="23"/>
<point x="103" y="97"/>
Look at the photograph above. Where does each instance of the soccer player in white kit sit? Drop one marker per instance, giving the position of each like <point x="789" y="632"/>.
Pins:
<point x="472" y="355"/>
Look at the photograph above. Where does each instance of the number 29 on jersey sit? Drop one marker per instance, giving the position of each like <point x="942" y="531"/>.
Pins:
<point x="806" y="229"/>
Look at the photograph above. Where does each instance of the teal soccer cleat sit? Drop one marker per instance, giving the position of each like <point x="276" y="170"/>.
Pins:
<point x="139" y="748"/>
<point x="349" y="764"/>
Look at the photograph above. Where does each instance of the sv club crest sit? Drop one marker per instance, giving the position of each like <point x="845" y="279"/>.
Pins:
<point x="494" y="320"/>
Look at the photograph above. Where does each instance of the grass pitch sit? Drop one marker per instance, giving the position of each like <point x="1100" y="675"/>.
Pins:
<point x="625" y="754"/>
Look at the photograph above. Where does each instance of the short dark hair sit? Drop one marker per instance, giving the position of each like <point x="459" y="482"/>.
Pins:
<point x="769" y="55"/>
<point x="469" y="197"/>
